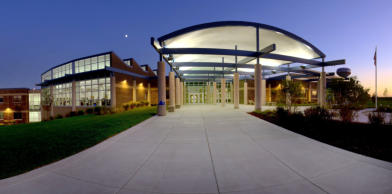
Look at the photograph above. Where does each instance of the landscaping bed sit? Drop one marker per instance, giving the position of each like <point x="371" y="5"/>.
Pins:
<point x="367" y="139"/>
<point x="28" y="146"/>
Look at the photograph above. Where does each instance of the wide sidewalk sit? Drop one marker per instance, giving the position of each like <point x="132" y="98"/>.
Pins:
<point x="208" y="149"/>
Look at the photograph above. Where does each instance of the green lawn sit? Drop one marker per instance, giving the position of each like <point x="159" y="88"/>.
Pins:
<point x="28" y="146"/>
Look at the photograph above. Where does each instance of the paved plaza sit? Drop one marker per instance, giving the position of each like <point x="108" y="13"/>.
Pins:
<point x="208" y="149"/>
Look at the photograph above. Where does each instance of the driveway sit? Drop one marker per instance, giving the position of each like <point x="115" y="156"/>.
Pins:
<point x="208" y="149"/>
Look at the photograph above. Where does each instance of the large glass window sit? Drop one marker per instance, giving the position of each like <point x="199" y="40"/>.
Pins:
<point x="34" y="101"/>
<point x="62" y="70"/>
<point x="92" y="63"/>
<point x="34" y="116"/>
<point x="1" y="99"/>
<point x="62" y="94"/>
<point x="94" y="92"/>
<point x="46" y="76"/>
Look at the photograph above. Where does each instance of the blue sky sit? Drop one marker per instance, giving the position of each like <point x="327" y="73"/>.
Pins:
<point x="36" y="35"/>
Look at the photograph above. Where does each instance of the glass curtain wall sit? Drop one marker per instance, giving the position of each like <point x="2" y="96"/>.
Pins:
<point x="62" y="94"/>
<point x="93" y="92"/>
<point x="92" y="63"/>
<point x="34" y="107"/>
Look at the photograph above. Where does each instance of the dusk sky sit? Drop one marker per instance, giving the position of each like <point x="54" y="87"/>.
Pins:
<point x="37" y="35"/>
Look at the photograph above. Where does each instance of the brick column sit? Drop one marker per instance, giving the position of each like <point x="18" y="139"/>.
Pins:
<point x="269" y="93"/>
<point x="182" y="93"/>
<point x="161" y="89"/>
<point x="223" y="91"/>
<point x="310" y="92"/>
<point x="245" y="93"/>
<point x="214" y="93"/>
<point x="134" y="91"/>
<point x="172" y="92"/>
<point x="263" y="92"/>
<point x="236" y="92"/>
<point x="258" y="86"/>
<point x="178" y="92"/>
<point x="149" y="94"/>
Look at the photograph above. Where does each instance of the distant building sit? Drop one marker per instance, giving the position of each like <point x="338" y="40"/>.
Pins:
<point x="98" y="80"/>
<point x="19" y="105"/>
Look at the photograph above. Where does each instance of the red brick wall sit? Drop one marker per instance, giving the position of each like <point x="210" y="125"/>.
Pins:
<point x="12" y="106"/>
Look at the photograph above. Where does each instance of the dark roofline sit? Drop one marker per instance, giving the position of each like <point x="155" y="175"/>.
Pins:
<point x="237" y="23"/>
<point x="99" y="54"/>
<point x="14" y="88"/>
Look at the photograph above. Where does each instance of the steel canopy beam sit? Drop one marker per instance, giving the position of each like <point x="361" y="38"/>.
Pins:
<point x="213" y="72"/>
<point x="207" y="64"/>
<point x="215" y="51"/>
<point x="253" y="54"/>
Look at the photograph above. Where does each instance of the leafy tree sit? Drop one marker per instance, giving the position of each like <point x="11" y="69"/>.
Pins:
<point x="291" y="92"/>
<point x="348" y="93"/>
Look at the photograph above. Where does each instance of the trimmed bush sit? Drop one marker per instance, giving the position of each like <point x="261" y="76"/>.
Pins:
<point x="126" y="106"/>
<point x="376" y="118"/>
<point x="89" y="111"/>
<point x="347" y="115"/>
<point x="317" y="114"/>
<point x="72" y="114"/>
<point x="384" y="109"/>
<point x="97" y="110"/>
<point x="80" y="112"/>
<point x="282" y="113"/>
<point x="59" y="116"/>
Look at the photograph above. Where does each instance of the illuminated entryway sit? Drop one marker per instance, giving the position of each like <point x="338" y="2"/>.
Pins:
<point x="202" y="92"/>
<point x="233" y="51"/>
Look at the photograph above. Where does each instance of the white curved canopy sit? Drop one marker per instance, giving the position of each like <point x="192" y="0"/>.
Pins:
<point x="236" y="43"/>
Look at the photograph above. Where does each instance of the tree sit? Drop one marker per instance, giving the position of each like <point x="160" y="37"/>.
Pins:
<point x="349" y="93"/>
<point x="47" y="100"/>
<point x="385" y="92"/>
<point x="291" y="91"/>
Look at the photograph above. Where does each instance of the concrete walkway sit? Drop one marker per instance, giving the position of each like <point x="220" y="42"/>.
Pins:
<point x="208" y="149"/>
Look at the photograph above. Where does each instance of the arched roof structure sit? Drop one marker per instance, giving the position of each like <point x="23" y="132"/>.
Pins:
<point x="218" y="49"/>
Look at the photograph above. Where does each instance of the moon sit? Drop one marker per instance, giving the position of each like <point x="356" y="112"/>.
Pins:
<point x="126" y="35"/>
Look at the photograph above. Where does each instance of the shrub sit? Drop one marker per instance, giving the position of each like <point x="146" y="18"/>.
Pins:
<point x="132" y="105"/>
<point x="296" y="118"/>
<point x="105" y="110"/>
<point x="384" y="109"/>
<point x="59" y="116"/>
<point x="126" y="106"/>
<point x="346" y="114"/>
<point x="89" y="111"/>
<point x="282" y="113"/>
<point x="97" y="110"/>
<point x="72" y="114"/>
<point x="376" y="118"/>
<point x="51" y="118"/>
<point x="317" y="114"/>
<point x="81" y="112"/>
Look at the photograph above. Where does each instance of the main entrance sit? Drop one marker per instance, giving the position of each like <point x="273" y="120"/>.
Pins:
<point x="196" y="98"/>
<point x="201" y="92"/>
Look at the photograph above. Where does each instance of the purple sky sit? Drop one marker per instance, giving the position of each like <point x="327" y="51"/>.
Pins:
<point x="37" y="35"/>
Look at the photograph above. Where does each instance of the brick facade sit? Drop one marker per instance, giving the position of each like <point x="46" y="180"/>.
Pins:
<point x="15" y="102"/>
